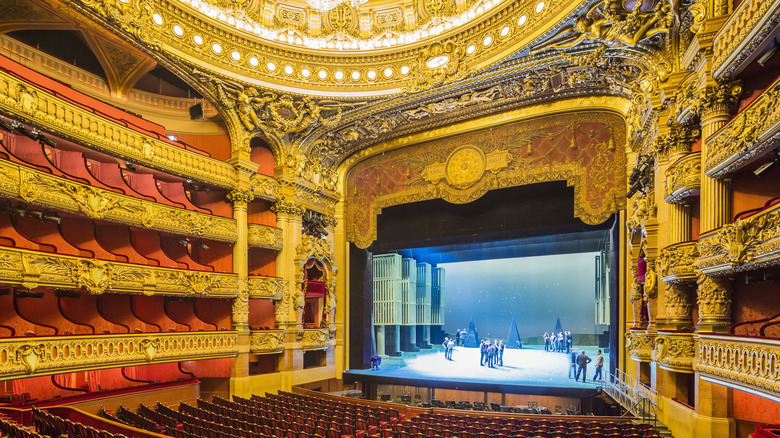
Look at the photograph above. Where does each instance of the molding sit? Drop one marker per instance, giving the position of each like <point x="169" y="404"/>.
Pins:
<point x="41" y="356"/>
<point x="33" y="269"/>
<point x="751" y="133"/>
<point x="264" y="236"/>
<point x="639" y="344"/>
<point x="744" y="362"/>
<point x="36" y="187"/>
<point x="675" y="351"/>
<point x="676" y="262"/>
<point x="749" y="243"/>
<point x="268" y="288"/>
<point x="683" y="178"/>
<point x="266" y="341"/>
<point x="37" y="107"/>
<point x="746" y="30"/>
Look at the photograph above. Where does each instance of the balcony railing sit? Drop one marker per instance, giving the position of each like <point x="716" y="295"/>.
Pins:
<point x="740" y="362"/>
<point x="44" y="110"/>
<point x="639" y="344"/>
<point x="38" y="356"/>
<point x="265" y="187"/>
<point x="266" y="341"/>
<point x="269" y="288"/>
<point x="683" y="178"/>
<point x="675" y="264"/>
<point x="745" y="32"/>
<point x="315" y="339"/>
<point x="755" y="130"/>
<point x="748" y="243"/>
<point x="263" y="236"/>
<point x="41" y="188"/>
<point x="33" y="269"/>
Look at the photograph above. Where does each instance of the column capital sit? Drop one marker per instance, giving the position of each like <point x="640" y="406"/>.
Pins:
<point x="288" y="208"/>
<point x="717" y="99"/>
<point x="240" y="196"/>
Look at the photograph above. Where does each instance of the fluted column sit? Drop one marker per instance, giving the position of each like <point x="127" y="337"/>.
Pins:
<point x="240" y="199"/>
<point x="289" y="218"/>
<point x="679" y="223"/>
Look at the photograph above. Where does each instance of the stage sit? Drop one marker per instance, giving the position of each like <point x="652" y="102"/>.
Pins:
<point x="529" y="370"/>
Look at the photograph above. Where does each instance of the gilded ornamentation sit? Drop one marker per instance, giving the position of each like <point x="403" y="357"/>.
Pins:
<point x="608" y="21"/>
<point x="746" y="244"/>
<point x="284" y="207"/>
<point x="675" y="263"/>
<point x="266" y="341"/>
<point x="677" y="141"/>
<point x="266" y="287"/>
<point x="748" y="362"/>
<point x="650" y="288"/>
<point x="240" y="308"/>
<point x="315" y="339"/>
<point x="453" y="104"/>
<point x="746" y="29"/>
<point x="639" y="345"/>
<point x="40" y="356"/>
<point x="683" y="178"/>
<point x="534" y="151"/>
<point x="746" y="137"/>
<point x="36" y="269"/>
<point x="679" y="305"/>
<point x="263" y="236"/>
<point x="465" y="166"/>
<point x="239" y="196"/>
<point x="714" y="299"/>
<point x="41" y="188"/>
<point x="717" y="100"/>
<point x="642" y="209"/>
<point x="675" y="351"/>
<point x="264" y="187"/>
<point x="90" y="129"/>
<point x="314" y="247"/>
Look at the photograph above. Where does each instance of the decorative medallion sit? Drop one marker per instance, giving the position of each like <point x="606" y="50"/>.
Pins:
<point x="465" y="166"/>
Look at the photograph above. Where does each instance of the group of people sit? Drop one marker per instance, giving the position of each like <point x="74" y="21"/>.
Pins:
<point x="491" y="355"/>
<point x="460" y="337"/>
<point x="579" y="365"/>
<point x="562" y="342"/>
<point x="448" y="345"/>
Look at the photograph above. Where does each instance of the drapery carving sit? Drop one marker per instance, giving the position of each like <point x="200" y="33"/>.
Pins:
<point x="583" y="149"/>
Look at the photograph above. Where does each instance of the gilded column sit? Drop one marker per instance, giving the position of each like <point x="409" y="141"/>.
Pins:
<point x="679" y="223"/>
<point x="240" y="199"/>
<point x="289" y="217"/>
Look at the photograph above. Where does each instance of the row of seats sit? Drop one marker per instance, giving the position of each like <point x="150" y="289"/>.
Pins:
<point x="11" y="429"/>
<point x="54" y="427"/>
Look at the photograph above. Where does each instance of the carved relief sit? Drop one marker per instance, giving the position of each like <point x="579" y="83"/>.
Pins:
<point x="266" y="341"/>
<point x="675" y="351"/>
<point x="676" y="262"/>
<point x="639" y="345"/>
<point x="683" y="178"/>
<point x="34" y="269"/>
<point x="40" y="188"/>
<point x="262" y="236"/>
<point x="264" y="187"/>
<point x="642" y="209"/>
<point x="271" y="288"/>
<point x="678" y="306"/>
<point x="315" y="339"/>
<point x="749" y="362"/>
<point x="714" y="299"/>
<point x="56" y="115"/>
<point x="288" y="208"/>
<point x="746" y="29"/>
<point x="23" y="357"/>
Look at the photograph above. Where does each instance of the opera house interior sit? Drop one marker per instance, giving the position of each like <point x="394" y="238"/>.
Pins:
<point x="216" y="215"/>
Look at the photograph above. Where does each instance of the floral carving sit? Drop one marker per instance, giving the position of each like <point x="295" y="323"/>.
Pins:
<point x="266" y="341"/>
<point x="675" y="263"/>
<point x="639" y="345"/>
<point x="675" y="351"/>
<point x="714" y="299"/>
<point x="683" y="178"/>
<point x="315" y="339"/>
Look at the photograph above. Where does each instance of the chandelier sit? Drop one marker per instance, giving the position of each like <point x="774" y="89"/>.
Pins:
<point x="323" y="6"/>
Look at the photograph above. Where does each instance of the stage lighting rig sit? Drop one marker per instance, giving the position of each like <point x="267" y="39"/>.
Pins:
<point x="769" y="165"/>
<point x="641" y="177"/>
<point x="33" y="135"/>
<point x="47" y="141"/>
<point x="7" y="126"/>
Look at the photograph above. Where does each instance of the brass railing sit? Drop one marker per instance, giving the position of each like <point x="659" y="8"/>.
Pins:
<point x="36" y="356"/>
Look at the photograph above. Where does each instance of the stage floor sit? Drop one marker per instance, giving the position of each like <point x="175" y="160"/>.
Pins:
<point x="527" y="370"/>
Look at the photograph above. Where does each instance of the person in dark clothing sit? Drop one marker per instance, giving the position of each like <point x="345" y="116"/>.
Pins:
<point x="500" y="353"/>
<point x="573" y="365"/>
<point x="582" y="365"/>
<point x="376" y="362"/>
<point x="482" y="353"/>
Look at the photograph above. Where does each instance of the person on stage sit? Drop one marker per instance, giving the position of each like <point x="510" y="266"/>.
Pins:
<point x="599" y="365"/>
<point x="376" y="362"/>
<point x="482" y="353"/>
<point x="569" y="339"/>
<point x="450" y="345"/>
<point x="560" y="342"/>
<point x="582" y="366"/>
<point x="462" y="337"/>
<point x="546" y="341"/>
<point x="491" y="353"/>
<point x="444" y="345"/>
<point x="573" y="365"/>
<point x="500" y="353"/>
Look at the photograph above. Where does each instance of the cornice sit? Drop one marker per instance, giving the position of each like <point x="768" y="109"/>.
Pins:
<point x="171" y="27"/>
<point x="38" y="107"/>
<point x="33" y="269"/>
<point x="36" y="187"/>
<point x="41" y="356"/>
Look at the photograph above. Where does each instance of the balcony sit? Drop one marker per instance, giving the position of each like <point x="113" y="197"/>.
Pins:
<point x="675" y="263"/>
<point x="749" y="243"/>
<point x="40" y="356"/>
<point x="266" y="341"/>
<point x="263" y="236"/>
<point x="265" y="187"/>
<point x="30" y="185"/>
<point x="47" y="111"/>
<point x="33" y="269"/>
<point x="315" y="339"/>
<point x="675" y="351"/>
<point x="683" y="178"/>
<point x="745" y="363"/>
<point x="639" y="344"/>
<point x="268" y="288"/>
<point x="751" y="133"/>
<point x="745" y="32"/>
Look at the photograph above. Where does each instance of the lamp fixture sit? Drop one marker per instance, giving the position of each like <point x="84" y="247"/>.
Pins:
<point x="769" y="165"/>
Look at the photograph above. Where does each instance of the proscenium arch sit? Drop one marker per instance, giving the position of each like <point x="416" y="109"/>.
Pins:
<point x="421" y="171"/>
